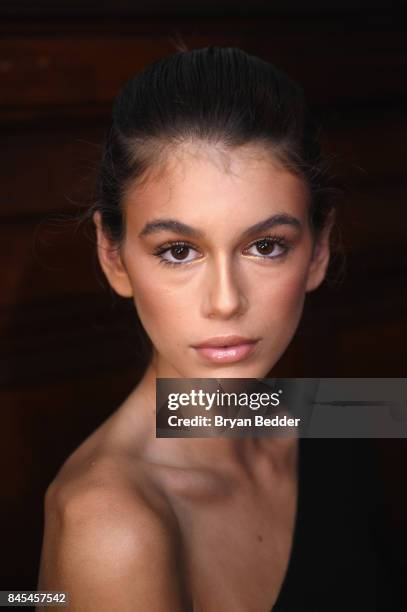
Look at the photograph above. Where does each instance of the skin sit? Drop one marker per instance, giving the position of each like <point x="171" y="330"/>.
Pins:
<point x="222" y="292"/>
<point x="135" y="522"/>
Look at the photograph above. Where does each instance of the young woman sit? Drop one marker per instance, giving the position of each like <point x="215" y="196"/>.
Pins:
<point x="214" y="216"/>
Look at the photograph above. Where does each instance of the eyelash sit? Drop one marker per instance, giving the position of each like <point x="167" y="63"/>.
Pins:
<point x="279" y="240"/>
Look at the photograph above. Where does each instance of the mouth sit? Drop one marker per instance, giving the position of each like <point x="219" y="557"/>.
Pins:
<point x="227" y="352"/>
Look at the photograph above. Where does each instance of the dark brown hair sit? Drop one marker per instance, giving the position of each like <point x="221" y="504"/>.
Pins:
<point x="219" y="95"/>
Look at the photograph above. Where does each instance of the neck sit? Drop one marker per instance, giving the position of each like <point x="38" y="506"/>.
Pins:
<point x="220" y="453"/>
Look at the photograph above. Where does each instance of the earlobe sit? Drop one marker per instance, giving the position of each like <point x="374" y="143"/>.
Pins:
<point x="111" y="261"/>
<point x="317" y="269"/>
<point x="320" y="257"/>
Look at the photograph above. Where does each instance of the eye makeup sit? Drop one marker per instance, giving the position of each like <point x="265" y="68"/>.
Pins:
<point x="275" y="242"/>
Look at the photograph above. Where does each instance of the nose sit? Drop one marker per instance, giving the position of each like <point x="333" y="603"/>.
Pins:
<point x="224" y="297"/>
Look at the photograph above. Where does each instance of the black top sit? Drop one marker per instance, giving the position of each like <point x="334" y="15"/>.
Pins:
<point x="338" y="561"/>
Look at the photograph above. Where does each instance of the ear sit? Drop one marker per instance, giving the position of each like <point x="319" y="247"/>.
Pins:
<point x="111" y="261"/>
<point x="320" y="257"/>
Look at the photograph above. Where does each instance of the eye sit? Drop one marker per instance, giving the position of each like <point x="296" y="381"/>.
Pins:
<point x="270" y="247"/>
<point x="176" y="253"/>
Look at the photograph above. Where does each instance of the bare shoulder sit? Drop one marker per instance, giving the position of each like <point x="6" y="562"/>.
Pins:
<point x="111" y="539"/>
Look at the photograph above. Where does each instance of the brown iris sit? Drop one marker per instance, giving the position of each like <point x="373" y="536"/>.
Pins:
<point x="265" y="247"/>
<point x="179" y="250"/>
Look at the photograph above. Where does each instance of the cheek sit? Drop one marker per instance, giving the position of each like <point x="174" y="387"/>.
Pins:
<point x="285" y="302"/>
<point x="281" y="299"/>
<point x="159" y="310"/>
<point x="291" y="296"/>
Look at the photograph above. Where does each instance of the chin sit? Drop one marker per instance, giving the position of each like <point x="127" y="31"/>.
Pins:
<point x="232" y="371"/>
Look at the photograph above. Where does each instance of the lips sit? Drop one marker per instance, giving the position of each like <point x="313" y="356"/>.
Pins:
<point x="224" y="341"/>
<point x="226" y="349"/>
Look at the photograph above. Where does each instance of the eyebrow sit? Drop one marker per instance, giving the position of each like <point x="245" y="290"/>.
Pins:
<point x="160" y="225"/>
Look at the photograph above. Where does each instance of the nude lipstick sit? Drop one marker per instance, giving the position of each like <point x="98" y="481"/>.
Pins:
<point x="226" y="349"/>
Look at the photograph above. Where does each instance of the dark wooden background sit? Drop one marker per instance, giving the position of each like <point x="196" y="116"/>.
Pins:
<point x="69" y="350"/>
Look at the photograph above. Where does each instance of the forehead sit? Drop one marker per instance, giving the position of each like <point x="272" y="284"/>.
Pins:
<point x="205" y="185"/>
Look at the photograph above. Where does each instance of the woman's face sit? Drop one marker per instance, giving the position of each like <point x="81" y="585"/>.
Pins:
<point x="217" y="244"/>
